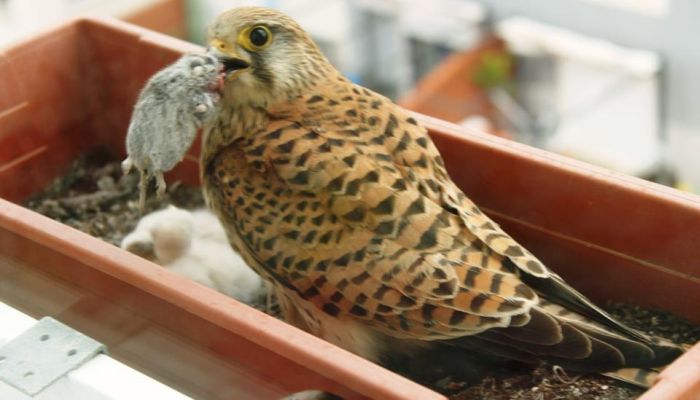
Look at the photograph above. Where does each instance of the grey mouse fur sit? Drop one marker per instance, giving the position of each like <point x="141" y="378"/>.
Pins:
<point x="172" y="106"/>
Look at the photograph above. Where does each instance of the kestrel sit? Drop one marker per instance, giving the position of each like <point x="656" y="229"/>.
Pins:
<point x="339" y="198"/>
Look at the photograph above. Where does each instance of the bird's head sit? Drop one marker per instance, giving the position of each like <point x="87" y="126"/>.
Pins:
<point x="267" y="57"/>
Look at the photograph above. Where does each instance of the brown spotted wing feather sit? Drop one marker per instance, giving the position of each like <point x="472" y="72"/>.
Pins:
<point x="347" y="202"/>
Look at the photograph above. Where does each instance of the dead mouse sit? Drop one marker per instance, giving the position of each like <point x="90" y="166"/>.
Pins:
<point x="172" y="106"/>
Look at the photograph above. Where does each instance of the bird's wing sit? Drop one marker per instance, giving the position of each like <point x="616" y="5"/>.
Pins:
<point x="350" y="231"/>
<point x="371" y="226"/>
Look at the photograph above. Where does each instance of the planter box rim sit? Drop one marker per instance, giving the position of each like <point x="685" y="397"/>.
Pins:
<point x="572" y="165"/>
<point x="224" y="311"/>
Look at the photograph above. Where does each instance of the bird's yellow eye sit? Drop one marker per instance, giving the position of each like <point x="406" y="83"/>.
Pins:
<point x="256" y="38"/>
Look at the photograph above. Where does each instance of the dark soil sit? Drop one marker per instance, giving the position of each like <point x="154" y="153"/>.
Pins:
<point x="96" y="198"/>
<point x="658" y="323"/>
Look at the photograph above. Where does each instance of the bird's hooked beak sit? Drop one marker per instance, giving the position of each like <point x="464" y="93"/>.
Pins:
<point x="233" y="63"/>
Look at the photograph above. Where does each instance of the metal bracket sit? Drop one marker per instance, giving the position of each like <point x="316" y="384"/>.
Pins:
<point x="41" y="355"/>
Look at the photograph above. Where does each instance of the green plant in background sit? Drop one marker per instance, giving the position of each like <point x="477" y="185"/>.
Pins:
<point x="494" y="70"/>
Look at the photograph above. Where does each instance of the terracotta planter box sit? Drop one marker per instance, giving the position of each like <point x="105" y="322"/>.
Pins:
<point x="72" y="89"/>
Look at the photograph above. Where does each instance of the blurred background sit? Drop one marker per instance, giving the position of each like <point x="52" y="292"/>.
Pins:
<point x="610" y="82"/>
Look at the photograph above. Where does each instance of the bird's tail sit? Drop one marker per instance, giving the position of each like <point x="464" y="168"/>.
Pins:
<point x="640" y="350"/>
<point x="642" y="377"/>
<point x="581" y="345"/>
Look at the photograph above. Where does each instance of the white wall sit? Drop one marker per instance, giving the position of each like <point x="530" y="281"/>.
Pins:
<point x="672" y="33"/>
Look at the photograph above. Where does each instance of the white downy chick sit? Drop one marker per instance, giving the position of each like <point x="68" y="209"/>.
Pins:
<point x="172" y="245"/>
<point x="207" y="226"/>
<point x="194" y="244"/>
<point x="173" y="235"/>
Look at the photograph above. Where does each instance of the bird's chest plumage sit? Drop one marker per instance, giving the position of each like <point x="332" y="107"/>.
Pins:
<point x="275" y="226"/>
<point x="269" y="188"/>
<point x="313" y="205"/>
<point x="284" y="233"/>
